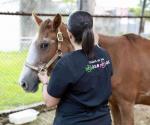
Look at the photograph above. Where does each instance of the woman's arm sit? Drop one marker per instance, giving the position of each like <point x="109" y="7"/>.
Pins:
<point x="49" y="100"/>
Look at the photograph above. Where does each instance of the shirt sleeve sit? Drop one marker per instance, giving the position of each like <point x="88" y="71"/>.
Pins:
<point x="60" y="79"/>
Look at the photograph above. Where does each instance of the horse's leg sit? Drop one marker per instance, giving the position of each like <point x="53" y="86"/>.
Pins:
<point x="115" y="112"/>
<point x="116" y="115"/>
<point x="127" y="113"/>
<point x="124" y="94"/>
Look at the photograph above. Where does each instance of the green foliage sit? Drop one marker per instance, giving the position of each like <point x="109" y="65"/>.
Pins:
<point x="136" y="11"/>
<point x="11" y="94"/>
<point x="147" y="13"/>
<point x="69" y="1"/>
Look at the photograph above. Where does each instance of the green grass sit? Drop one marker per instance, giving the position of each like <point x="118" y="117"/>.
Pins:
<point x="11" y="94"/>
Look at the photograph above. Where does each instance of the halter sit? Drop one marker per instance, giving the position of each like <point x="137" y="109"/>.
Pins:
<point x="53" y="59"/>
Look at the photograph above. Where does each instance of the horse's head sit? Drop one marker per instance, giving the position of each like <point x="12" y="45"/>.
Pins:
<point x="44" y="50"/>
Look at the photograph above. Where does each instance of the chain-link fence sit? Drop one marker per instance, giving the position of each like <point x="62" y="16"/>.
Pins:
<point x="11" y="94"/>
<point x="17" y="33"/>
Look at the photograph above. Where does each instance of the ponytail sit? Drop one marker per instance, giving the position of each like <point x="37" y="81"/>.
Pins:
<point x="88" y="42"/>
<point x="80" y="24"/>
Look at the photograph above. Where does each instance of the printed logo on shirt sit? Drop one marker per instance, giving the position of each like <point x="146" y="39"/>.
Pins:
<point x="95" y="64"/>
<point x="88" y="68"/>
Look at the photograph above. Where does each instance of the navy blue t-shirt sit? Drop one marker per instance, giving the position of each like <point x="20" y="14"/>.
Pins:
<point x="84" y="86"/>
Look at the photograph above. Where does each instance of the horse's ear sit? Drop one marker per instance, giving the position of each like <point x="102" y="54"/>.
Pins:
<point x="37" y="19"/>
<point x="57" y="21"/>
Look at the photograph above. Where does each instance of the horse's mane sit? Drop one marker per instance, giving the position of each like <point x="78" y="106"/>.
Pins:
<point x="45" y="25"/>
<point x="132" y="37"/>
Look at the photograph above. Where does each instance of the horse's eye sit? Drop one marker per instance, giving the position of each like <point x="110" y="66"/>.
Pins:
<point x="44" y="45"/>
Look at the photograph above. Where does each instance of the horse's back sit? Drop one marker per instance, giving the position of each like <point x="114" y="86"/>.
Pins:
<point x="130" y="55"/>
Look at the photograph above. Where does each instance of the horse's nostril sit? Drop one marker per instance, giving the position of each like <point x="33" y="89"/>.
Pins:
<point x="24" y="85"/>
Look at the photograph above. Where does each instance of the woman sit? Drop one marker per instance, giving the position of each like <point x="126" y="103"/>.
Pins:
<point x="80" y="83"/>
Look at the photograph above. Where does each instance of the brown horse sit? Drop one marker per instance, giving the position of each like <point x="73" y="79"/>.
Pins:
<point x="130" y="55"/>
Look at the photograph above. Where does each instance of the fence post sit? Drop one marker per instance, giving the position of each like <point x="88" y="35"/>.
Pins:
<point x="141" y="27"/>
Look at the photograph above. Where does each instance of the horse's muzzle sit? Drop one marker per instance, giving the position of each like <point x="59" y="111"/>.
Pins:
<point x="24" y="85"/>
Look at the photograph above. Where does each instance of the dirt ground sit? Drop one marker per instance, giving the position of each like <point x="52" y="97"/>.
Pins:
<point x="142" y="117"/>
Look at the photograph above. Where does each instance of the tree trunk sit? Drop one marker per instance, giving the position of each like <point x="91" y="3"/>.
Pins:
<point x="86" y="5"/>
<point x="27" y="25"/>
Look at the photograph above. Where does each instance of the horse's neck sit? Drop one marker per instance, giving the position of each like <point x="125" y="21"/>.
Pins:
<point x="110" y="43"/>
<point x="104" y="41"/>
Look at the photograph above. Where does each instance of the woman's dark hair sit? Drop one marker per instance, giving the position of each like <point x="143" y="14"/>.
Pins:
<point x="80" y="24"/>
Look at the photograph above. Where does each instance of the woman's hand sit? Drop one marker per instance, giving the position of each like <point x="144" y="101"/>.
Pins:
<point x="43" y="77"/>
<point x="49" y="100"/>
